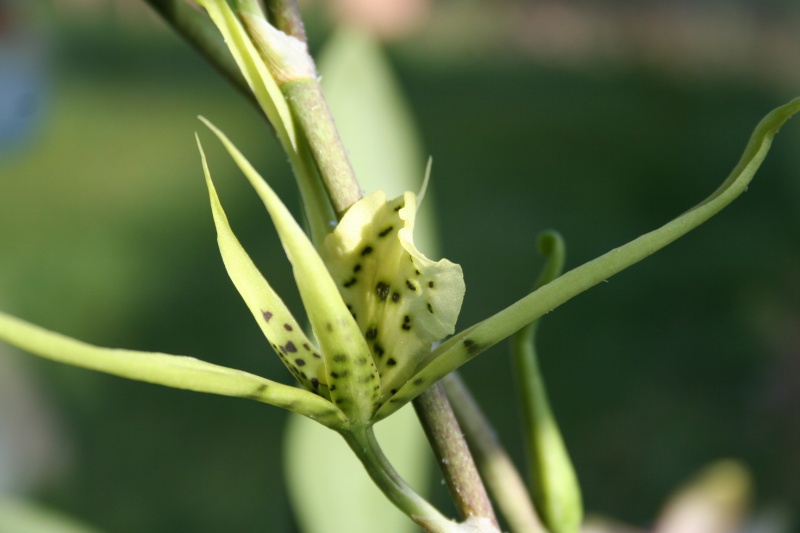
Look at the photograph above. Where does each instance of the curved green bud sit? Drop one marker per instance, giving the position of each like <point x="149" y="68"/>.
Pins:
<point x="298" y="353"/>
<point x="175" y="371"/>
<point x="352" y="377"/>
<point x="554" y="485"/>
<point x="402" y="301"/>
<point x="469" y="343"/>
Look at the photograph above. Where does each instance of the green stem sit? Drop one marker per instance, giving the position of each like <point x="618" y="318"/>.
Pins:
<point x="309" y="107"/>
<point x="554" y="485"/>
<point x="453" y="455"/>
<point x="496" y="467"/>
<point x="363" y="443"/>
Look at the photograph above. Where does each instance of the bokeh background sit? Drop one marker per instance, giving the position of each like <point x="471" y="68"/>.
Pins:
<point x="600" y="119"/>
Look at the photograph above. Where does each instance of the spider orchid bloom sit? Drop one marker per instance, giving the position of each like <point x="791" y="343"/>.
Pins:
<point x="376" y="304"/>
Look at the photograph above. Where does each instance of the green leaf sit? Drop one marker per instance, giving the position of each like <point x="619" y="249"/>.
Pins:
<point x="469" y="343"/>
<point x="17" y="516"/>
<point x="353" y="379"/>
<point x="175" y="371"/>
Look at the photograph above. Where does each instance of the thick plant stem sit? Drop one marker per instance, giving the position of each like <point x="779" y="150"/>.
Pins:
<point x="309" y="107"/>
<point x="453" y="455"/>
<point x="497" y="470"/>
<point x="285" y="15"/>
<point x="363" y="443"/>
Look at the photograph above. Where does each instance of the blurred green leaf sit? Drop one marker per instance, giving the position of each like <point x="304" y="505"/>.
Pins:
<point x="18" y="516"/>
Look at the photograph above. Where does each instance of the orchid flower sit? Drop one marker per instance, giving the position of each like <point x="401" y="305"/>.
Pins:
<point x="377" y="307"/>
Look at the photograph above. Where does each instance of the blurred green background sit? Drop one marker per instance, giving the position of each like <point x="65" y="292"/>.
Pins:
<point x="688" y="357"/>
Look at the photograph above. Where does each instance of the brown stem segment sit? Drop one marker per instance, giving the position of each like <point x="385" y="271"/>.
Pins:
<point x="284" y="15"/>
<point x="497" y="470"/>
<point x="452" y="454"/>
<point x="309" y="107"/>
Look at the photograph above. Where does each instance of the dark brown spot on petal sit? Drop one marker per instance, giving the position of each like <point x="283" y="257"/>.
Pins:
<point x="361" y="361"/>
<point x="357" y="268"/>
<point x="430" y="284"/>
<point x="340" y="358"/>
<point x="419" y="381"/>
<point x="287" y="327"/>
<point x="430" y="308"/>
<point x="318" y="356"/>
<point x="395" y="297"/>
<point x="267" y="315"/>
<point x="290" y="347"/>
<point x="391" y="362"/>
<point x="334" y="375"/>
<point x="300" y="362"/>
<point x="315" y="383"/>
<point x="332" y="388"/>
<point x="350" y="282"/>
<point x="306" y="346"/>
<point x="379" y="351"/>
<point x="393" y="391"/>
<point x="372" y="333"/>
<point x="411" y="285"/>
<point x="386" y="231"/>
<point x="383" y="290"/>
<point x="366" y="251"/>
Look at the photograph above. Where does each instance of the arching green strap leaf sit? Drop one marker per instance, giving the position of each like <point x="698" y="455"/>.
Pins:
<point x="175" y="371"/>
<point x="462" y="347"/>
<point x="353" y="379"/>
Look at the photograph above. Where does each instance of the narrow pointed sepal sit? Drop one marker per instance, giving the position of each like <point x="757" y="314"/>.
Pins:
<point x="403" y="302"/>
<point x="352" y="377"/>
<point x="287" y="338"/>
<point x="255" y="71"/>
<point x="175" y="371"/>
<point x="462" y="347"/>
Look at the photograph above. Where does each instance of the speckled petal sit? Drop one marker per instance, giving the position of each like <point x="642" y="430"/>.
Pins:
<point x="352" y="377"/>
<point x="403" y="302"/>
<point x="287" y="338"/>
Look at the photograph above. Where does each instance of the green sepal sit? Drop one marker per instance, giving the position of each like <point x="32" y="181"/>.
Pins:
<point x="180" y="372"/>
<point x="353" y="379"/>
<point x="469" y="343"/>
<point x="255" y="72"/>
<point x="298" y="353"/>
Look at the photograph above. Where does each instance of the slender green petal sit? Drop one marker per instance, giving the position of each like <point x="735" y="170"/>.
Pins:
<point x="267" y="93"/>
<point x="403" y="302"/>
<point x="461" y="348"/>
<point x="555" y="486"/>
<point x="176" y="371"/>
<point x="353" y="379"/>
<point x="287" y="338"/>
